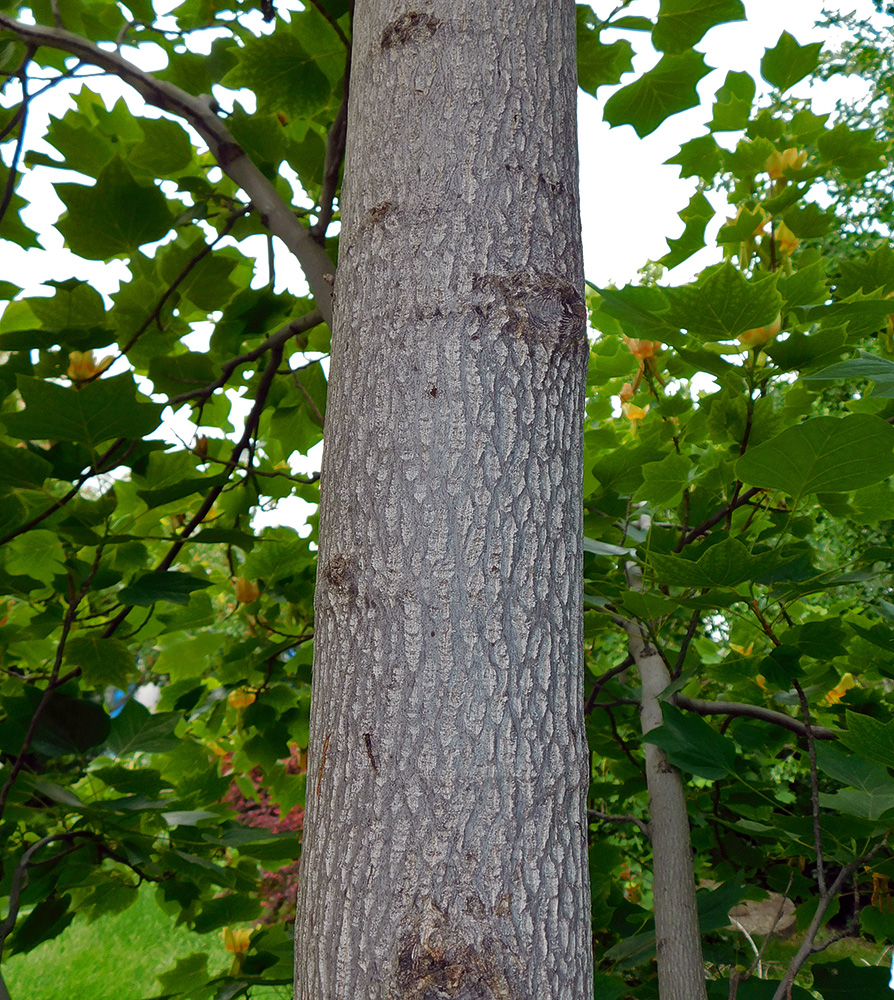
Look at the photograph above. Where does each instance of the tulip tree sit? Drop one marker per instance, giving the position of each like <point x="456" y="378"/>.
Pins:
<point x="737" y="504"/>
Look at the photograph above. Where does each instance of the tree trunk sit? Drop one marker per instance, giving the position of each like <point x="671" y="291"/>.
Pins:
<point x="445" y="849"/>
<point x="681" y="969"/>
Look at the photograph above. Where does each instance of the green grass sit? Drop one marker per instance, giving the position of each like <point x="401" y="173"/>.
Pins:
<point x="117" y="957"/>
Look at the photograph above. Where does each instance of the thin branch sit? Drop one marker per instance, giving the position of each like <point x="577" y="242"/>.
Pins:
<point x="190" y="266"/>
<point x="274" y="213"/>
<point x="251" y="425"/>
<point x="627" y="818"/>
<point x="19" y="879"/>
<point x="814" y="789"/>
<point x="706" y="526"/>
<point x="72" y="493"/>
<point x="336" y="27"/>
<point x="20" y="140"/>
<point x="53" y="682"/>
<point x="684" y="646"/>
<point x="740" y="710"/>
<point x="603" y="680"/>
<point x="808" y="944"/>
<point x="275" y="341"/>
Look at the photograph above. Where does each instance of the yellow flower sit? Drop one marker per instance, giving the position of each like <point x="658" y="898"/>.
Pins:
<point x="642" y="349"/>
<point x="241" y="698"/>
<point x="844" y="685"/>
<point x="236" y="941"/>
<point x="635" y="414"/>
<point x="786" y="241"/>
<point x="760" y="336"/>
<point x="82" y="367"/>
<point x="788" y="160"/>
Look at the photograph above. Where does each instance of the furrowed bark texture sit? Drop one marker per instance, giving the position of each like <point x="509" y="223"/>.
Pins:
<point x="445" y="839"/>
<point x="681" y="970"/>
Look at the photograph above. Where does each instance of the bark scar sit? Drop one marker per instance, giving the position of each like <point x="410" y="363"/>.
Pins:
<point x="367" y="740"/>
<point x="409" y="27"/>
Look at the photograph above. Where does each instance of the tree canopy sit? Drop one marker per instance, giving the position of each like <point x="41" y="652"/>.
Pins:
<point x="739" y="451"/>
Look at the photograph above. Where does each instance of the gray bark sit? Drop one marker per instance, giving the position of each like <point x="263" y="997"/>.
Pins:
<point x="445" y="848"/>
<point x="681" y="970"/>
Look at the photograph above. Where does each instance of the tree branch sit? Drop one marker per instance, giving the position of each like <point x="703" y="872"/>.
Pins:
<point x="273" y="342"/>
<point x="627" y="818"/>
<point x="741" y="710"/>
<point x="275" y="214"/>
<point x="706" y="526"/>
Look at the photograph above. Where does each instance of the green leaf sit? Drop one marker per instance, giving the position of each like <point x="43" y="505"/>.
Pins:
<point x="732" y="103"/>
<point x="161" y="586"/>
<point x="682" y="23"/>
<point x="870" y="366"/>
<point x="115" y="216"/>
<point x="98" y="412"/>
<point x="102" y="661"/>
<point x="47" y="920"/>
<point x="70" y="725"/>
<point x="744" y="227"/>
<point x="822" y="455"/>
<point x="664" y="481"/>
<point x="698" y="158"/>
<point x="870" y="791"/>
<point x="809" y="221"/>
<point x="283" y="75"/>
<point x="855" y="152"/>
<point x="692" y="745"/>
<point x="638" y="308"/>
<point x="844" y="980"/>
<point x="869" y="738"/>
<point x="164" y="150"/>
<point x="696" y="216"/>
<point x="187" y="975"/>
<point x="726" y="564"/>
<point x="599" y="63"/>
<point x="37" y="554"/>
<point x="723" y="304"/>
<point x="665" y="90"/>
<point x="788" y="62"/>
<point x="136" y="730"/>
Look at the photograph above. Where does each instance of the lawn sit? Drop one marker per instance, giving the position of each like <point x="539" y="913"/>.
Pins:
<point x="117" y="957"/>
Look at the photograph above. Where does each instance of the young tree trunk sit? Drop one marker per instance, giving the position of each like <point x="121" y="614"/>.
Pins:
<point x="681" y="969"/>
<point x="445" y="844"/>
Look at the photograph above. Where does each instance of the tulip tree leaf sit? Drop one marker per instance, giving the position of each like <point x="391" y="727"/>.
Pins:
<point x="879" y="370"/>
<point x="599" y="63"/>
<point x="102" y="661"/>
<point x="732" y="104"/>
<point x="114" y="216"/>
<point x="665" y="90"/>
<point x="692" y="745"/>
<point x="788" y="62"/>
<point x="664" y="481"/>
<point x="723" y="304"/>
<point x="697" y="214"/>
<point x="869" y="738"/>
<point x="99" y="411"/>
<point x="822" y="455"/>
<point x="161" y="586"/>
<point x="682" y="23"/>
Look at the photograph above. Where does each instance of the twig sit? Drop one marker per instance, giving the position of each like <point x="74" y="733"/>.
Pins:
<point x="273" y="342"/>
<point x="53" y="682"/>
<point x="72" y="493"/>
<point x="627" y="818"/>
<point x="242" y="444"/>
<point x="706" y="526"/>
<point x="20" y="140"/>
<point x="808" y="944"/>
<point x="603" y="680"/>
<point x="814" y="789"/>
<point x="274" y="213"/>
<point x="740" y="710"/>
<point x="684" y="646"/>
<point x="190" y="266"/>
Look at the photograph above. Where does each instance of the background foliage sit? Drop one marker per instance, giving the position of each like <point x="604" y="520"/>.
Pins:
<point x="739" y="450"/>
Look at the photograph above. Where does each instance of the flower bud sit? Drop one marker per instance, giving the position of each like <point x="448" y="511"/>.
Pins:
<point x="246" y="590"/>
<point x="82" y="366"/>
<point x="760" y="336"/>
